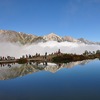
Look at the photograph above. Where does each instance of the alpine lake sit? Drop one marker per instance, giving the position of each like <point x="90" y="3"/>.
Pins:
<point x="37" y="81"/>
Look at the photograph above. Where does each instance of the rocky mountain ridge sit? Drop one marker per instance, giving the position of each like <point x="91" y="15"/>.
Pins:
<point x="23" y="38"/>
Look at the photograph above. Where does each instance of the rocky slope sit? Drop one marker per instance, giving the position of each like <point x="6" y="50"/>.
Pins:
<point x="18" y="37"/>
<point x="23" y="38"/>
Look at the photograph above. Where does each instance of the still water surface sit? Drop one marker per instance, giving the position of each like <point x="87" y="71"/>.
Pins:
<point x="73" y="81"/>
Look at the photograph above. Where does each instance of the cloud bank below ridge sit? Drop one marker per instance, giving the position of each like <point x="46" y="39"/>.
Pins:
<point x="18" y="50"/>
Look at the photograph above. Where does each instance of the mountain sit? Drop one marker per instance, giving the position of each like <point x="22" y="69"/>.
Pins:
<point x="53" y="37"/>
<point x="23" y="38"/>
<point x="70" y="39"/>
<point x="86" y="41"/>
<point x="19" y="37"/>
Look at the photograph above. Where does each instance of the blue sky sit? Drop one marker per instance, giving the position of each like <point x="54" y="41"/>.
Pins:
<point x="76" y="18"/>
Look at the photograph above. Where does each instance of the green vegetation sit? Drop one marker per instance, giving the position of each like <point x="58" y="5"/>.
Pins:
<point x="22" y="60"/>
<point x="56" y="57"/>
<point x="73" y="57"/>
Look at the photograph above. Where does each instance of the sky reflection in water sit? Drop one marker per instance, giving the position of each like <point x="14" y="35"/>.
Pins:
<point x="73" y="81"/>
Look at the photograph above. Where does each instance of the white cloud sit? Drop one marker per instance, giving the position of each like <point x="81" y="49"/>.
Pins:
<point x="51" y="46"/>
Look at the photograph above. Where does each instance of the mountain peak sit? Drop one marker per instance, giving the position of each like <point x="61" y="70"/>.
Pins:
<point x="52" y="37"/>
<point x="23" y="38"/>
<point x="52" y="34"/>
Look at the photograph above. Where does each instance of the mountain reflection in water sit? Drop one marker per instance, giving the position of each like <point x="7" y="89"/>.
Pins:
<point x="9" y="71"/>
